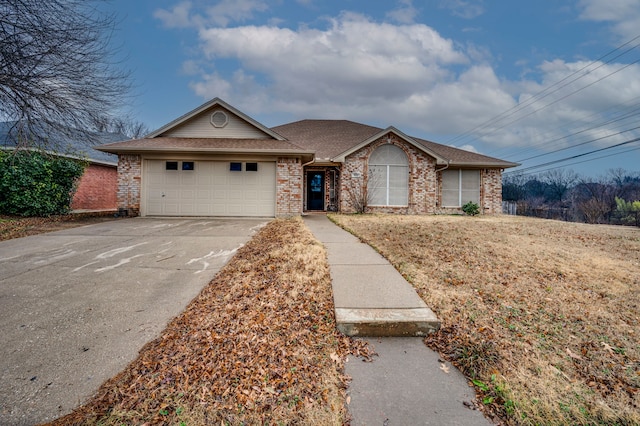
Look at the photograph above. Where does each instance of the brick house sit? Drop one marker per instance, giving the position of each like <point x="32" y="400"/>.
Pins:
<point x="97" y="187"/>
<point x="217" y="161"/>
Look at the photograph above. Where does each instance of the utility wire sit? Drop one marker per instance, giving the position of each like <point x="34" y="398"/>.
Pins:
<point x="628" y="112"/>
<point x="547" y="91"/>
<point x="549" y="163"/>
<point x="571" y="164"/>
<point x="578" y="144"/>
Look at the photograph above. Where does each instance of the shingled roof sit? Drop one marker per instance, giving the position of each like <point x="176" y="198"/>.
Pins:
<point x="331" y="138"/>
<point x="324" y="140"/>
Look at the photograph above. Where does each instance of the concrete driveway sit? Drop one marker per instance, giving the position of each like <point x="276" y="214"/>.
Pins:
<point x="77" y="305"/>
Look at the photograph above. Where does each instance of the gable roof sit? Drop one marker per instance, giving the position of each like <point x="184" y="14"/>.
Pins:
<point x="210" y="105"/>
<point x="333" y="140"/>
<point x="390" y="129"/>
<point x="324" y="141"/>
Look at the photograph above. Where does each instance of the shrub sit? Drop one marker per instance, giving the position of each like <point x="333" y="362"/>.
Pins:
<point x="471" y="208"/>
<point x="36" y="184"/>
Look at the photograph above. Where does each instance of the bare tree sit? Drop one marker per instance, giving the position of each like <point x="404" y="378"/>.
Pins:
<point x="362" y="191"/>
<point x="559" y="182"/>
<point x="126" y="126"/>
<point x="58" y="76"/>
<point x="595" y="199"/>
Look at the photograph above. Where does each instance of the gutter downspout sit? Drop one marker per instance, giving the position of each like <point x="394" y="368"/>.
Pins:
<point x="437" y="186"/>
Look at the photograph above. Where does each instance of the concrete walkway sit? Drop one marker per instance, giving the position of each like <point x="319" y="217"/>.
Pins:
<point x="407" y="383"/>
<point x="371" y="298"/>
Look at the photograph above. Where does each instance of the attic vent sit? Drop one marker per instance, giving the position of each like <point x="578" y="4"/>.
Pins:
<point x="219" y="119"/>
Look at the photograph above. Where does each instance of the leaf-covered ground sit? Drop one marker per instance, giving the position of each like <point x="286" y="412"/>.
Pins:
<point x="543" y="316"/>
<point x="258" y="346"/>
<point x="18" y="227"/>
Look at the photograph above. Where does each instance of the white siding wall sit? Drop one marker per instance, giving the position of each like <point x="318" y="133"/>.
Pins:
<point x="200" y="127"/>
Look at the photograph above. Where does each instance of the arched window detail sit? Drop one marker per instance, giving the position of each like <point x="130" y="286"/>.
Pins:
<point x="388" y="181"/>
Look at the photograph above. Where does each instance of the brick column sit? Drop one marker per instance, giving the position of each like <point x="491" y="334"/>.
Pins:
<point x="129" y="183"/>
<point x="288" y="187"/>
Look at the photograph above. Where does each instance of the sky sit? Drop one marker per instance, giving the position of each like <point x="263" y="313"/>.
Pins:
<point x="533" y="82"/>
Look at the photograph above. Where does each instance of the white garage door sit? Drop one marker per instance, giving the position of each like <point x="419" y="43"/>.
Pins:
<point x="209" y="188"/>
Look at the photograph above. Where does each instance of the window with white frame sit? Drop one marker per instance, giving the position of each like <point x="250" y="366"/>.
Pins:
<point x="459" y="187"/>
<point x="388" y="180"/>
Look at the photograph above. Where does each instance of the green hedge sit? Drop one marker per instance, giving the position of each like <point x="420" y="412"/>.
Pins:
<point x="36" y="184"/>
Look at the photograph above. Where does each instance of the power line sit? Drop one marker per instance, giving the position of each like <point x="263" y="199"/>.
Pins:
<point x="630" y="111"/>
<point x="578" y="144"/>
<point x="546" y="92"/>
<point x="549" y="163"/>
<point x="574" y="163"/>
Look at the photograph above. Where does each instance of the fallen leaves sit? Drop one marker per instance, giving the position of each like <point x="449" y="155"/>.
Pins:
<point x="18" y="227"/>
<point x="258" y="345"/>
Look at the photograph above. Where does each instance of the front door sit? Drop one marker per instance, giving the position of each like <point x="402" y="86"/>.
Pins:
<point x="315" y="190"/>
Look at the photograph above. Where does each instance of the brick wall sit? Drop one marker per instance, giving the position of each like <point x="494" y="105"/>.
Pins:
<point x="129" y="182"/>
<point x="422" y="179"/>
<point x="425" y="185"/>
<point x="289" y="190"/>
<point x="97" y="189"/>
<point x="491" y="191"/>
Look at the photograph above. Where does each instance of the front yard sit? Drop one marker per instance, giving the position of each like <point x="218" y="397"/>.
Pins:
<point x="541" y="315"/>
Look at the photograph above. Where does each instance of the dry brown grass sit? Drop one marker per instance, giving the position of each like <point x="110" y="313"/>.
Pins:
<point x="542" y="315"/>
<point x="259" y="345"/>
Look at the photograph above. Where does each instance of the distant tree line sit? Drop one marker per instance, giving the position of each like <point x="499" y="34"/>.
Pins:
<point x="613" y="198"/>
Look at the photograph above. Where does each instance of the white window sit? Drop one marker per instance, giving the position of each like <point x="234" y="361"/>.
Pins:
<point x="388" y="181"/>
<point x="459" y="187"/>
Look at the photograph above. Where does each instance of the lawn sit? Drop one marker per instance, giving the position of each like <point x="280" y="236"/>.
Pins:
<point x="259" y="345"/>
<point x="541" y="315"/>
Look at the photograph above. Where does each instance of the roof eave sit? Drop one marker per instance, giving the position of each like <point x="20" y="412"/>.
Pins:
<point x="496" y="165"/>
<point x="147" y="150"/>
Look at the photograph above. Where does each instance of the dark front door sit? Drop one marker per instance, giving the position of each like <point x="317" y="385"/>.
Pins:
<point x="315" y="190"/>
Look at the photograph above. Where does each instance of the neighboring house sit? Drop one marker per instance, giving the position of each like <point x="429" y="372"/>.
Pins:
<point x="217" y="161"/>
<point x="97" y="188"/>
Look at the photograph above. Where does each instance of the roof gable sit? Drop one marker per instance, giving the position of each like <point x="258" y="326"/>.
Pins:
<point x="341" y="157"/>
<point x="332" y="140"/>
<point x="215" y="119"/>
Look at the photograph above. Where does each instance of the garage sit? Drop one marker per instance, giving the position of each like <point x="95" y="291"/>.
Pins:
<point x="209" y="188"/>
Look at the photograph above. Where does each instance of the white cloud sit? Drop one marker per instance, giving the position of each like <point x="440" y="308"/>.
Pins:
<point x="401" y="74"/>
<point x="224" y="12"/>
<point x="227" y="11"/>
<point x="466" y="9"/>
<point x="405" y="14"/>
<point x="178" y="17"/>
<point x="624" y="15"/>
